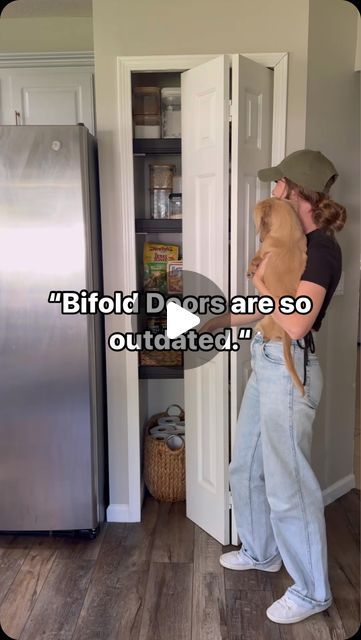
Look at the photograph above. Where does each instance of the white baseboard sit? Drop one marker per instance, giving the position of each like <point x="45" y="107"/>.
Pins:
<point x="121" y="513"/>
<point x="338" y="489"/>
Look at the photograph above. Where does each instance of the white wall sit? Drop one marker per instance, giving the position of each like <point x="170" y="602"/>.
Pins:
<point x="209" y="26"/>
<point x="333" y="126"/>
<point x="45" y="34"/>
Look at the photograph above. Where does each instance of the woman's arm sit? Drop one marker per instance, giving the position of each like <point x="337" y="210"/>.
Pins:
<point x="296" y="324"/>
<point x="230" y="320"/>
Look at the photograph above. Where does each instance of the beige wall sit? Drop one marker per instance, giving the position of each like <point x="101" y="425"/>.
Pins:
<point x="358" y="46"/>
<point x="208" y="26"/>
<point x="333" y="125"/>
<point x="45" y="34"/>
<point x="144" y="28"/>
<point x="141" y="28"/>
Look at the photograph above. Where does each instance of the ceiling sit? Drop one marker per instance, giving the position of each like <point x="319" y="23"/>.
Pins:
<point x="48" y="9"/>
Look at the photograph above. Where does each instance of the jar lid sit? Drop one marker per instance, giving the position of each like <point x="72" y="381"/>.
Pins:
<point x="171" y="91"/>
<point x="162" y="165"/>
<point x="146" y="89"/>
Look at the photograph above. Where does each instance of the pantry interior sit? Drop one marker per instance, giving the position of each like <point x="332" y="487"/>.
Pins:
<point x="256" y="138"/>
<point x="156" y="110"/>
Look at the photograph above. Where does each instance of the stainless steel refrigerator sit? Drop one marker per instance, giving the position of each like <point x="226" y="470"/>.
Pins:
<point x="52" y="409"/>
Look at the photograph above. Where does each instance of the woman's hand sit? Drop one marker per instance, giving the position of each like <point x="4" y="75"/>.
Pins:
<point x="259" y="275"/>
<point x="228" y="320"/>
<point x="214" y="324"/>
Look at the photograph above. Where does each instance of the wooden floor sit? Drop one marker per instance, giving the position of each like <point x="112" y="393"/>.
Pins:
<point x="161" y="579"/>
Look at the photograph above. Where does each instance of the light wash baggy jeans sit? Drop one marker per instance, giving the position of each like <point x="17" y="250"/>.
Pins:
<point x="277" y="499"/>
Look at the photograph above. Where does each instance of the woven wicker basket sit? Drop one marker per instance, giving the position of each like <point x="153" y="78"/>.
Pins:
<point x="164" y="469"/>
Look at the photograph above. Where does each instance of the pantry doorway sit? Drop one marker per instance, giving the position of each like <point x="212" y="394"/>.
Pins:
<point x="212" y="392"/>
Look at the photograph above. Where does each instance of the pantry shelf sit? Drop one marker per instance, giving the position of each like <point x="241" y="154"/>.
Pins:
<point x="147" y="225"/>
<point x="146" y="372"/>
<point x="157" y="145"/>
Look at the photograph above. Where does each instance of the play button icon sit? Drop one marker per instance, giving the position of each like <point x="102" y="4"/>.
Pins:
<point x="179" y="320"/>
<point x="188" y="311"/>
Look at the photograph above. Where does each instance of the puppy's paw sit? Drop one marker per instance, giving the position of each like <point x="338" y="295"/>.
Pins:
<point x="253" y="267"/>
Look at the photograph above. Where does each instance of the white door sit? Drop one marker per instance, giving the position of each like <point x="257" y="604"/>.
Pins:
<point x="205" y="181"/>
<point x="210" y="417"/>
<point x="252" y="94"/>
<point x="47" y="96"/>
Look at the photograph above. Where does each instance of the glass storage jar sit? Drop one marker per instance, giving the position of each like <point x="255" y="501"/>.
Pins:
<point x="159" y="203"/>
<point x="161" y="176"/>
<point x="157" y="323"/>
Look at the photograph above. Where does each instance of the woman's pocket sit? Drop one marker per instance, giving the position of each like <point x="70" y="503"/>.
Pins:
<point x="273" y="352"/>
<point x="314" y="383"/>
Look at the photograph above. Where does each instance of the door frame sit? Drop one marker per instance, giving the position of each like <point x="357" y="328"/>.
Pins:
<point x="127" y="414"/>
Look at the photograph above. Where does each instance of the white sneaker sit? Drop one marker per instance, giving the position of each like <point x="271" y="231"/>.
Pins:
<point x="238" y="561"/>
<point x="286" y="611"/>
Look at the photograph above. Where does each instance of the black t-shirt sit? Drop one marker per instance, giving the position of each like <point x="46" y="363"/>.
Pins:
<point x="323" y="267"/>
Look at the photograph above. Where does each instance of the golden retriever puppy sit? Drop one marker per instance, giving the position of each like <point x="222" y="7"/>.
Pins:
<point x="281" y="234"/>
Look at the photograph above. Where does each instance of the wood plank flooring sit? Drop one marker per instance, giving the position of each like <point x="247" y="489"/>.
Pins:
<point x="161" y="580"/>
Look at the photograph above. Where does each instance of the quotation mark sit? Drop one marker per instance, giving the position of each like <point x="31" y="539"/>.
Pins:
<point x="54" y="296"/>
<point x="245" y="334"/>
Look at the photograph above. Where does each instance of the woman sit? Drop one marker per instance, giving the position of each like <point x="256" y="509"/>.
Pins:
<point x="277" y="499"/>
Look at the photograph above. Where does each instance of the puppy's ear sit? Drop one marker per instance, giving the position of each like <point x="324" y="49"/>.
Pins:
<point x="285" y="222"/>
<point x="262" y="217"/>
<point x="278" y="215"/>
<point x="257" y="215"/>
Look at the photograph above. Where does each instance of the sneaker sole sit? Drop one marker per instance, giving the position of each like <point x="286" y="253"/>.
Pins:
<point x="272" y="569"/>
<point x="307" y="614"/>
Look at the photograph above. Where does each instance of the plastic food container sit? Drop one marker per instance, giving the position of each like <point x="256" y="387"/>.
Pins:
<point x="146" y="101"/>
<point x="146" y="126"/>
<point x="146" y="112"/>
<point x="171" y="112"/>
<point x="175" y="205"/>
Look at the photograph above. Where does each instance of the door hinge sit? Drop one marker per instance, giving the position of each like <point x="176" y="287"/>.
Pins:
<point x="230" y="110"/>
<point x="230" y="500"/>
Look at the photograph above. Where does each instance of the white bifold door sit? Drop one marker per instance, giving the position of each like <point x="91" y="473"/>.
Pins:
<point x="220" y="159"/>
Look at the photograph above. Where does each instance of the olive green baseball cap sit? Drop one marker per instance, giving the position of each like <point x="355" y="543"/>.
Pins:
<point x="307" y="168"/>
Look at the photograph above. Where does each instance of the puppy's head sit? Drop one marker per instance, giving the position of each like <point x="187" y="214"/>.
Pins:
<point x="274" y="215"/>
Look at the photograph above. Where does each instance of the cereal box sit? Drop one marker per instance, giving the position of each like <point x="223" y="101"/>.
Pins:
<point x="175" y="276"/>
<point x="156" y="256"/>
